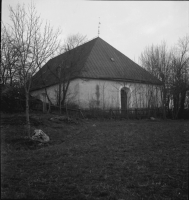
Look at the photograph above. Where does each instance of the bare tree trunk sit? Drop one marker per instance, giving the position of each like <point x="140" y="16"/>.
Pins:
<point x="63" y="100"/>
<point x="176" y="106"/>
<point x="27" y="114"/>
<point x="66" y="111"/>
<point x="163" y="103"/>
<point x="164" y="110"/>
<point x="44" y="107"/>
<point x="182" y="101"/>
<point x="49" y="107"/>
<point x="59" y="95"/>
<point x="49" y="101"/>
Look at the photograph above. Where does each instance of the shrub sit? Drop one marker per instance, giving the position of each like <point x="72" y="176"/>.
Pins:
<point x="12" y="98"/>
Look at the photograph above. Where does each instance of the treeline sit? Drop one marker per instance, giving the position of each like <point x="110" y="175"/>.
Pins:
<point x="171" y="66"/>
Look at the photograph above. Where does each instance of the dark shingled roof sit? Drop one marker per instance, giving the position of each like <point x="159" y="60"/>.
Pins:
<point x="95" y="59"/>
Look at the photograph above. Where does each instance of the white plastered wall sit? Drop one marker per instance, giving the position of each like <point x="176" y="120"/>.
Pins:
<point x="104" y="94"/>
<point x="107" y="94"/>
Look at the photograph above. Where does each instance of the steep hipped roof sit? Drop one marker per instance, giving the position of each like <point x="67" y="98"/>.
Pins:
<point x="95" y="59"/>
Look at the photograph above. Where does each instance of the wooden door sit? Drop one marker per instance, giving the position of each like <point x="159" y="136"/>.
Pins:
<point x="123" y="100"/>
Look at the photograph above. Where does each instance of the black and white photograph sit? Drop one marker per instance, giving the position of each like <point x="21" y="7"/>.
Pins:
<point x="94" y="100"/>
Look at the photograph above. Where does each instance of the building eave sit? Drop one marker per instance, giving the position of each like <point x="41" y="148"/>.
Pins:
<point x="105" y="79"/>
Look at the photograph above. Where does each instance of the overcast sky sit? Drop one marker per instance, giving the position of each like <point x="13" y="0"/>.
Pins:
<point x="129" y="26"/>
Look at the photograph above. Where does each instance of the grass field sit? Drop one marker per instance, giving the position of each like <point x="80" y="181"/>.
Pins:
<point x="95" y="159"/>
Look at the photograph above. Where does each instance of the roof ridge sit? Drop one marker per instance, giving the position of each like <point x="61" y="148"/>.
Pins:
<point x="75" y="47"/>
<point x="86" y="42"/>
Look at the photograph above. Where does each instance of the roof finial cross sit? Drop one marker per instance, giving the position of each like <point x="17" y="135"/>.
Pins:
<point x="99" y="27"/>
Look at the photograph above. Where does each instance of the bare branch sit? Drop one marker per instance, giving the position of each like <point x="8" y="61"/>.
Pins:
<point x="33" y="43"/>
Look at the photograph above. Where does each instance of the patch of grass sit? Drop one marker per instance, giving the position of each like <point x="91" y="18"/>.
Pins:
<point x="93" y="159"/>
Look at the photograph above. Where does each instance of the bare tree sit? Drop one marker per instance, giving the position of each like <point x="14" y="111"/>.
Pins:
<point x="34" y="42"/>
<point x="9" y="58"/>
<point x="180" y="75"/>
<point x="172" y="68"/>
<point x="157" y="60"/>
<point x="68" y="66"/>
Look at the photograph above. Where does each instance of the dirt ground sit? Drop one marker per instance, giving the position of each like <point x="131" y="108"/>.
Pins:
<point x="89" y="159"/>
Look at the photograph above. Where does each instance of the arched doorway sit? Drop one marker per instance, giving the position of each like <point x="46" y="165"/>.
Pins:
<point x="124" y="98"/>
